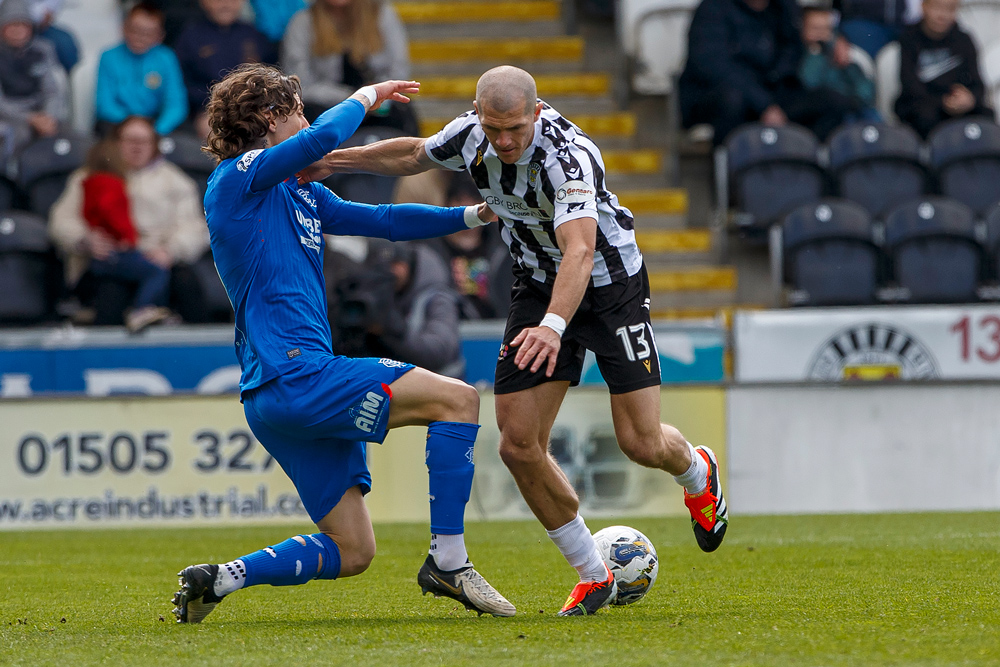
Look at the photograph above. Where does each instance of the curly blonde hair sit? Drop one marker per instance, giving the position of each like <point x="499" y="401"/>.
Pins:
<point x="242" y="105"/>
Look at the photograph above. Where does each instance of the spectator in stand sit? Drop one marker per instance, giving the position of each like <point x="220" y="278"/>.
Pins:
<point x="743" y="58"/>
<point x="827" y="64"/>
<point x="474" y="257"/>
<point x="272" y="16"/>
<point x="335" y="46"/>
<point x="176" y="15"/>
<point x="33" y="89"/>
<point x="938" y="70"/>
<point x="106" y="211"/>
<point x="166" y="211"/>
<point x="43" y="13"/>
<point x="140" y="76"/>
<point x="871" y="24"/>
<point x="211" y="46"/>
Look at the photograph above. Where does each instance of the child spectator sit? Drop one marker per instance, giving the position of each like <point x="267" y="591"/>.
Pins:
<point x="106" y="210"/>
<point x="827" y="64"/>
<point x="33" y="89"/>
<point x="475" y="257"/>
<point x="939" y="70"/>
<point x="742" y="66"/>
<point x="336" y="46"/>
<point x="140" y="76"/>
<point x="211" y="46"/>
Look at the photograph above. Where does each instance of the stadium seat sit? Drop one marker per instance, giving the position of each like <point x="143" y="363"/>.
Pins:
<point x="981" y="19"/>
<point x="365" y="188"/>
<point x="877" y="166"/>
<point x="184" y="150"/>
<point x="887" y="83"/>
<point x="609" y="478"/>
<point x="653" y="36"/>
<point x="772" y="170"/>
<point x="992" y="225"/>
<point x="934" y="250"/>
<point x="46" y="164"/>
<point x="965" y="157"/>
<point x="830" y="256"/>
<point x="25" y="268"/>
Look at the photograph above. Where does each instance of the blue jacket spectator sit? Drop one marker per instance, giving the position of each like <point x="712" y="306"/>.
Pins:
<point x="743" y="58"/>
<point x="272" y="16"/>
<point x="208" y="48"/>
<point x="43" y="13"/>
<point x="141" y="77"/>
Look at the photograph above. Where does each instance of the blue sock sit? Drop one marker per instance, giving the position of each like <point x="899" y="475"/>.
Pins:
<point x="294" y="561"/>
<point x="450" y="446"/>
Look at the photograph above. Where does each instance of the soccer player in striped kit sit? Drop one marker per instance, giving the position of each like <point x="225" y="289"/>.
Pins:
<point x="312" y="410"/>
<point x="580" y="283"/>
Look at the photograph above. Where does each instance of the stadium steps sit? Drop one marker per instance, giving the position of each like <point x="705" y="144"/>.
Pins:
<point x="452" y="43"/>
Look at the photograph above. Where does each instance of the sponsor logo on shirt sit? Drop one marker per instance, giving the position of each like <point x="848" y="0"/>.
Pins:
<point x="367" y="414"/>
<point x="575" y="192"/>
<point x="932" y="63"/>
<point x="509" y="206"/>
<point x="315" y="238"/>
<point x="247" y="159"/>
<point x="391" y="363"/>
<point x="153" y="80"/>
<point x="307" y="196"/>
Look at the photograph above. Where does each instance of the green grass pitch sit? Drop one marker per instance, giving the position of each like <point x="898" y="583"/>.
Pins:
<point x="916" y="589"/>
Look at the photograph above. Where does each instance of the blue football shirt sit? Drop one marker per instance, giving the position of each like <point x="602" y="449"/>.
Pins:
<point x="267" y="231"/>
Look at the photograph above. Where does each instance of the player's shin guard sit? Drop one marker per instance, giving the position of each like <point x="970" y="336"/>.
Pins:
<point x="294" y="561"/>
<point x="449" y="458"/>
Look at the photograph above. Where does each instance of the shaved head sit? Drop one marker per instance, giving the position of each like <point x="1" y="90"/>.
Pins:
<point x="506" y="89"/>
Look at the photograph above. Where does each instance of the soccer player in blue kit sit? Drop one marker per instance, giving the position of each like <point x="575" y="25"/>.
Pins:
<point x="312" y="410"/>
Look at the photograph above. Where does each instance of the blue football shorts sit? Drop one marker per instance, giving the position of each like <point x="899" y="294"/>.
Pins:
<point x="315" y="423"/>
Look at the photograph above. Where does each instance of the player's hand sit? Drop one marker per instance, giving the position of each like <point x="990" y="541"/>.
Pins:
<point x="486" y="214"/>
<point x="395" y="91"/>
<point x="540" y="344"/>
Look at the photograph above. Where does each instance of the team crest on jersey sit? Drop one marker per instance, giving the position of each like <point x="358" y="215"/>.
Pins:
<point x="248" y="159"/>
<point x="307" y="196"/>
<point x="533" y="170"/>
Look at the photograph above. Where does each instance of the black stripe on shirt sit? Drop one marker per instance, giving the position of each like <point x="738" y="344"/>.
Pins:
<point x="453" y="146"/>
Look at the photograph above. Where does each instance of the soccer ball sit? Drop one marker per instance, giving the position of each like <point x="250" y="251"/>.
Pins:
<point x="631" y="558"/>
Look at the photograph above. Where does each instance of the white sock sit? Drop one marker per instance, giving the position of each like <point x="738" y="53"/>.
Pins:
<point x="449" y="551"/>
<point x="232" y="576"/>
<point x="695" y="480"/>
<point x="577" y="544"/>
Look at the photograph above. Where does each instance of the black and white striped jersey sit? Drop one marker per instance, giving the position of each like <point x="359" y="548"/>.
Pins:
<point x="559" y="178"/>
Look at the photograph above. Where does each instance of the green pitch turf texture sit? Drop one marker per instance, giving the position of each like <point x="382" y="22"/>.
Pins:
<point x="824" y="590"/>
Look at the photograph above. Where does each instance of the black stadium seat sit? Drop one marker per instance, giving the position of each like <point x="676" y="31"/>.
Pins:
<point x="772" y="170"/>
<point x="25" y="268"/>
<point x="830" y="257"/>
<point x="877" y="166"/>
<point x="7" y="192"/>
<point x="184" y="150"/>
<point x="365" y="188"/>
<point x="45" y="165"/>
<point x="965" y="156"/>
<point x="992" y="220"/>
<point x="935" y="253"/>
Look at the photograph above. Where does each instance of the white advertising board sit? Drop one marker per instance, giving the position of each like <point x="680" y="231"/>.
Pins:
<point x="886" y="447"/>
<point x="875" y="343"/>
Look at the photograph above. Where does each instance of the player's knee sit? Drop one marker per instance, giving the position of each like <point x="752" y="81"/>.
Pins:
<point x="467" y="404"/>
<point x="518" y="448"/>
<point x="356" y="557"/>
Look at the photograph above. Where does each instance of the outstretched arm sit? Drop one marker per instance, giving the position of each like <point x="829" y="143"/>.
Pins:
<point x="402" y="156"/>
<point x="398" y="222"/>
<point x="329" y="131"/>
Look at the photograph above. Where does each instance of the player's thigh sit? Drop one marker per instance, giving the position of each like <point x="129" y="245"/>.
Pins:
<point x="420" y="397"/>
<point x="349" y="525"/>
<point x="525" y="417"/>
<point x="619" y="331"/>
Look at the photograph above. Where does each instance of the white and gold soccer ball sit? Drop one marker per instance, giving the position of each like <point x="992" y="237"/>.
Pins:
<point x="631" y="557"/>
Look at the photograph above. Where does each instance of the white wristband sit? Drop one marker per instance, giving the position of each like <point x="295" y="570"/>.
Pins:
<point x="472" y="217"/>
<point x="554" y="322"/>
<point x="369" y="92"/>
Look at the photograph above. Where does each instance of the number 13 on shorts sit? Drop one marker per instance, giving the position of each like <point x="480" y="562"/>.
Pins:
<point x="637" y="332"/>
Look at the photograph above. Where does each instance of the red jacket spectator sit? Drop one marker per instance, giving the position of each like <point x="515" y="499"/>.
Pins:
<point x="105" y="207"/>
